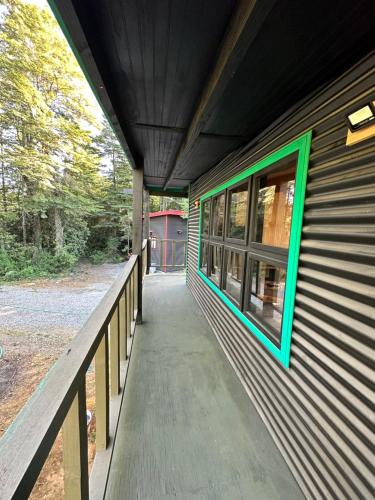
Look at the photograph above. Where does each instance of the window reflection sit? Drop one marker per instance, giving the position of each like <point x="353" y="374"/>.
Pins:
<point x="204" y="257"/>
<point x="238" y="212"/>
<point x="234" y="273"/>
<point x="275" y="196"/>
<point x="267" y="287"/>
<point x="215" y="268"/>
<point x="205" y="217"/>
<point x="218" y="206"/>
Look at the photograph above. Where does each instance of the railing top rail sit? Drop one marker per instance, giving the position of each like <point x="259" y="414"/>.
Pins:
<point x="25" y="446"/>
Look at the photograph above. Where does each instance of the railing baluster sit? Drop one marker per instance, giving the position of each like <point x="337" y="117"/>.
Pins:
<point x="132" y="294"/>
<point x="128" y="310"/>
<point x="136" y="289"/>
<point x="74" y="431"/>
<point x="122" y="328"/>
<point x="114" y="358"/>
<point x="102" y="394"/>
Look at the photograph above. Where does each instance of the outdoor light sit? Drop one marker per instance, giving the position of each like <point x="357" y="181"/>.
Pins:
<point x="362" y="117"/>
<point x="196" y="203"/>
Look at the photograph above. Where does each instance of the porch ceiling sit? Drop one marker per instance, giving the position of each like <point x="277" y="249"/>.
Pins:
<point x="185" y="82"/>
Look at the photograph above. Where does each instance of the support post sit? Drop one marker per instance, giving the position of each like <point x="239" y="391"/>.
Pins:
<point x="137" y="233"/>
<point x="75" y="458"/>
<point x="146" y="219"/>
<point x="102" y="394"/>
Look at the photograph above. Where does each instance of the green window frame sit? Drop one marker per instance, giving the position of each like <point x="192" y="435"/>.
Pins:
<point x="301" y="148"/>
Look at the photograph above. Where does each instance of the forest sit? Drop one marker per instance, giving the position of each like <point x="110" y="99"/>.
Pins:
<point x="65" y="181"/>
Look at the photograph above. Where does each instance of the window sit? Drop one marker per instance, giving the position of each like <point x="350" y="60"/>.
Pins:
<point x="237" y="212"/>
<point x="215" y="263"/>
<point x="204" y="257"/>
<point x="206" y="218"/>
<point x="234" y="269"/>
<point x="257" y="216"/>
<point x="274" y="199"/>
<point x="218" y="206"/>
<point x="266" y="296"/>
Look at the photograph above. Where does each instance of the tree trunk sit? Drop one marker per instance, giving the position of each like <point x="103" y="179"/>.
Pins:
<point x="24" y="228"/>
<point x="59" y="229"/>
<point x="3" y="188"/>
<point x="37" y="231"/>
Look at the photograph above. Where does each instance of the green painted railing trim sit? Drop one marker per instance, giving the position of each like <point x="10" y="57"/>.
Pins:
<point x="301" y="145"/>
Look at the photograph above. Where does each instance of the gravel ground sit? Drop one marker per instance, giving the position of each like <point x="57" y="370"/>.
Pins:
<point x="43" y="314"/>
<point x="37" y="320"/>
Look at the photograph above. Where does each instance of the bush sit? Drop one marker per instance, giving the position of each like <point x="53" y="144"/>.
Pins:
<point x="23" y="262"/>
<point x="109" y="254"/>
<point x="97" y="257"/>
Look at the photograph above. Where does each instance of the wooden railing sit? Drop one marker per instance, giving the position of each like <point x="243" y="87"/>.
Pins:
<point x="60" y="400"/>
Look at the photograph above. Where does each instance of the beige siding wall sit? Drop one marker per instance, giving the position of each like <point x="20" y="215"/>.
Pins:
<point x="320" y="412"/>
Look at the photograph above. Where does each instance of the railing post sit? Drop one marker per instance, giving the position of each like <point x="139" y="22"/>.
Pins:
<point x="114" y="354"/>
<point x="135" y="271"/>
<point x="122" y="328"/>
<point x="148" y="260"/>
<point x="139" y="278"/>
<point x="74" y="431"/>
<point x="102" y="394"/>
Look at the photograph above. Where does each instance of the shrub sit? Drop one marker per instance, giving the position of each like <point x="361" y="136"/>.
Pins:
<point x="23" y="262"/>
<point x="97" y="257"/>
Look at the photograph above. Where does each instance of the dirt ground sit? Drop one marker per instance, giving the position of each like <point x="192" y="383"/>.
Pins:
<point x="37" y="320"/>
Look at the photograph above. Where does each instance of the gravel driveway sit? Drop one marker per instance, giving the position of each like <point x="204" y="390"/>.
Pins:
<point x="48" y="313"/>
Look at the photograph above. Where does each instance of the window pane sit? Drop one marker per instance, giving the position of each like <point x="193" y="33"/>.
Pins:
<point x="275" y="195"/>
<point x="238" y="212"/>
<point x="203" y="257"/>
<point x="266" y="300"/>
<point x="218" y="205"/>
<point x="205" y="217"/>
<point x="234" y="273"/>
<point x="215" y="271"/>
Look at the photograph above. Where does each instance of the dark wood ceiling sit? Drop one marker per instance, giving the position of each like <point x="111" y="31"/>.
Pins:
<point x="177" y="105"/>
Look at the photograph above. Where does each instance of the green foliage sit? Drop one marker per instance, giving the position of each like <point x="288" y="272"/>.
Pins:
<point x="63" y="174"/>
<point x="23" y="262"/>
<point x="158" y="203"/>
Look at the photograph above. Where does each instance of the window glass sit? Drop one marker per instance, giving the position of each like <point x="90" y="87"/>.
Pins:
<point x="204" y="257"/>
<point x="238" y="212"/>
<point x="266" y="301"/>
<point x="218" y="206"/>
<point x="215" y="268"/>
<point x="275" y="196"/>
<point x="205" y="217"/>
<point x="234" y="274"/>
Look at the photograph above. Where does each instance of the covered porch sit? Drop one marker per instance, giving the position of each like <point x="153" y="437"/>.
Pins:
<point x="197" y="92"/>
<point x="172" y="418"/>
<point x="187" y="428"/>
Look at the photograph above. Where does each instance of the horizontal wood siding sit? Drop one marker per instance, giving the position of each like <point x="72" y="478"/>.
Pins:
<point x="320" y="412"/>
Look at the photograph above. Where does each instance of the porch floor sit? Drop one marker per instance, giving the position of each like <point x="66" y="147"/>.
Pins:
<point x="187" y="428"/>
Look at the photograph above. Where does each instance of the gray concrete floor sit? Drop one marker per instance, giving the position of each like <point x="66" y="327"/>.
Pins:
<point x="187" y="429"/>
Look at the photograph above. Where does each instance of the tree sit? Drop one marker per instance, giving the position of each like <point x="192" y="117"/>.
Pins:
<point x="114" y="218"/>
<point x="62" y="172"/>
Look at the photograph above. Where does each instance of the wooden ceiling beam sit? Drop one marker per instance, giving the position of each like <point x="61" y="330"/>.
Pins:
<point x="242" y="30"/>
